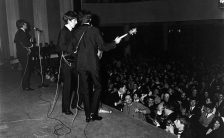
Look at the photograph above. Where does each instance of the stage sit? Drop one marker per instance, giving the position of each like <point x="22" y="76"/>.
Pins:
<point x="26" y="114"/>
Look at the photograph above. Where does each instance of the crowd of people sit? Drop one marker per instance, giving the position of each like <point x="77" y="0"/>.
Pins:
<point x="181" y="97"/>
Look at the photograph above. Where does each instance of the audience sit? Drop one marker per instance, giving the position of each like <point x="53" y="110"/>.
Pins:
<point x="174" y="95"/>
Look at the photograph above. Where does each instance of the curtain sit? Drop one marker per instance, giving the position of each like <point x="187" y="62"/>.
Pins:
<point x="4" y="49"/>
<point x="40" y="20"/>
<point x="65" y="5"/>
<point x="12" y="12"/>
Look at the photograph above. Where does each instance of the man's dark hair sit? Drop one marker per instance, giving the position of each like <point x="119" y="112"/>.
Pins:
<point x="20" y="23"/>
<point x="69" y="16"/>
<point x="85" y="17"/>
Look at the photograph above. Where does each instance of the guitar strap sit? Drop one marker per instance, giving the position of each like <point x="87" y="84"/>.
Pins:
<point x="76" y="50"/>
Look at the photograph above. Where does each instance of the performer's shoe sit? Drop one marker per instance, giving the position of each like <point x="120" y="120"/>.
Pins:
<point x="88" y="119"/>
<point x="28" y="89"/>
<point x="96" y="117"/>
<point x="43" y="85"/>
<point x="68" y="112"/>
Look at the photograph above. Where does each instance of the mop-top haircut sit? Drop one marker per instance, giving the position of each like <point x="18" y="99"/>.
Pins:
<point x="20" y="23"/>
<point x="70" y="15"/>
<point x="85" y="17"/>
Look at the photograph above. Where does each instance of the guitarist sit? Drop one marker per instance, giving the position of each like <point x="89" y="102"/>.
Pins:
<point x="88" y="63"/>
<point x="23" y="44"/>
<point x="67" y="63"/>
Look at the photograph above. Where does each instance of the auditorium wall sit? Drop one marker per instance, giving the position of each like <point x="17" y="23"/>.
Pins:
<point x="156" y="11"/>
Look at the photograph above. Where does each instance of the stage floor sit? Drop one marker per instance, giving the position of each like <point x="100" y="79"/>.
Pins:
<point x="26" y="115"/>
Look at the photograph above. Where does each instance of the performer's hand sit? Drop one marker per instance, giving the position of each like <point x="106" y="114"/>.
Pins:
<point x="117" y="40"/>
<point x="29" y="50"/>
<point x="137" y="110"/>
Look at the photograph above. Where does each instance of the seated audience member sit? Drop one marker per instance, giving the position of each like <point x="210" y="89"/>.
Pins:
<point x="116" y="99"/>
<point x="150" y="103"/>
<point x="159" y="116"/>
<point x="194" y="111"/>
<point x="183" y="100"/>
<point x="169" y="127"/>
<point x="220" y="104"/>
<point x="157" y="99"/>
<point x="194" y="94"/>
<point x="203" y="98"/>
<point x="208" y="101"/>
<point x="136" y="97"/>
<point x="183" y="128"/>
<point x="216" y="129"/>
<point x="183" y="111"/>
<point x="143" y="98"/>
<point x="169" y="115"/>
<point x="135" y="109"/>
<point x="152" y="108"/>
<point x="135" y="88"/>
<point x="207" y="114"/>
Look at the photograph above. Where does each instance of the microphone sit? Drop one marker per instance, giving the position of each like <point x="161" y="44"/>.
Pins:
<point x="37" y="29"/>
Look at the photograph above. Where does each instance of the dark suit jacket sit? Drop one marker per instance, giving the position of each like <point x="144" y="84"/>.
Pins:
<point x="220" y="108"/>
<point x="110" y="99"/>
<point x="196" y="113"/>
<point x="22" y="40"/>
<point x="64" y="39"/>
<point x="88" y="47"/>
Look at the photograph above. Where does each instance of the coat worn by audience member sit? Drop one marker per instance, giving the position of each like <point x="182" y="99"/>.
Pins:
<point x="135" y="109"/>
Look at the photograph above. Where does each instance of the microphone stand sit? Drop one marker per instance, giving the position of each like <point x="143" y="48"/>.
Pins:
<point x="41" y="69"/>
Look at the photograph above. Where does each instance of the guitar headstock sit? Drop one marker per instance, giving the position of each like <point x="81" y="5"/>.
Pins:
<point x="133" y="31"/>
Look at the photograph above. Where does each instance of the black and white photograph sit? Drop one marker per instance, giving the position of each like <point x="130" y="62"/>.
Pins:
<point x="111" y="68"/>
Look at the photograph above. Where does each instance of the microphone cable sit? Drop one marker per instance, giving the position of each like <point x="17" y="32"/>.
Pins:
<point x="41" y="68"/>
<point x="60" y="126"/>
<point x="85" y="129"/>
<point x="77" y="93"/>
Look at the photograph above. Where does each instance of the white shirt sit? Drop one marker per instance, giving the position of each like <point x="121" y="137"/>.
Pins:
<point x="69" y="27"/>
<point x="22" y="29"/>
<point x="192" y="108"/>
<point x="208" y="115"/>
<point x="120" y="95"/>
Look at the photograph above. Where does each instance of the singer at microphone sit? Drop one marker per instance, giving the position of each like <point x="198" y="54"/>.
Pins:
<point x="37" y="29"/>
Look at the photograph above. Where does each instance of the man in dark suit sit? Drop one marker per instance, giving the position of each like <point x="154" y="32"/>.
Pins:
<point x="194" y="112"/>
<point x="220" y="105"/>
<point x="87" y="42"/>
<point x="68" y="63"/>
<point x="116" y="99"/>
<point x="23" y="44"/>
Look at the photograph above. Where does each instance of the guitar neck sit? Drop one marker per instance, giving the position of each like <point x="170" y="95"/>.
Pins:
<point x="124" y="35"/>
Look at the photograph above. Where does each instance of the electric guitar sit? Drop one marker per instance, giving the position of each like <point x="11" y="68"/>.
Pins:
<point x="130" y="32"/>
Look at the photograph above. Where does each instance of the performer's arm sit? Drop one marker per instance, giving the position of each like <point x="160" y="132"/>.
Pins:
<point x="20" y="39"/>
<point x="62" y="43"/>
<point x="102" y="46"/>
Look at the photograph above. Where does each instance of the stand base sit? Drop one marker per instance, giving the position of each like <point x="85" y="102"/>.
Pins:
<point x="43" y="85"/>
